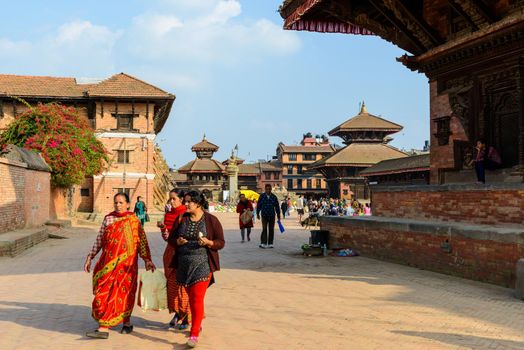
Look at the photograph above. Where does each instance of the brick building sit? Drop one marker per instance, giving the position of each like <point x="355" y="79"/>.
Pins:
<point x="126" y="114"/>
<point x="296" y="177"/>
<point x="269" y="173"/>
<point x="472" y="54"/>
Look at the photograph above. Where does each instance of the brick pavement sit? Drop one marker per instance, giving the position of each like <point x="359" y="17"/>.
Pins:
<point x="264" y="299"/>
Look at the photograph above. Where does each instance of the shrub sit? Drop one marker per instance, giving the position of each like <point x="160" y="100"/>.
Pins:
<point x="66" y="141"/>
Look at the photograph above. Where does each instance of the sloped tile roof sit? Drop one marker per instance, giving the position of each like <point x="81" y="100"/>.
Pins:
<point x="359" y="154"/>
<point x="202" y="165"/>
<point x="204" y="145"/>
<point x="118" y="85"/>
<point x="22" y="85"/>
<point x="307" y="149"/>
<point x="273" y="165"/>
<point x="125" y="85"/>
<point x="399" y="165"/>
<point x="366" y="121"/>
<point x="248" y="169"/>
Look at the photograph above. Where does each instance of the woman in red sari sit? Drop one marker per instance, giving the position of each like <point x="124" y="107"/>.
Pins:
<point x="121" y="239"/>
<point x="177" y="298"/>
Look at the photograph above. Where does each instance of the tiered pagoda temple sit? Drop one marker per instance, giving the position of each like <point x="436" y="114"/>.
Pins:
<point x="366" y="137"/>
<point x="205" y="173"/>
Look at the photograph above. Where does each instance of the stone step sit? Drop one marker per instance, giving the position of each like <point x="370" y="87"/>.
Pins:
<point x="492" y="176"/>
<point x="60" y="223"/>
<point x="13" y="243"/>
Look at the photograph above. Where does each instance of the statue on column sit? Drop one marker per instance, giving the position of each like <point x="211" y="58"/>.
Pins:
<point x="232" y="175"/>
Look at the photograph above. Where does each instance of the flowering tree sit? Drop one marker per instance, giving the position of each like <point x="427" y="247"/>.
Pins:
<point x="65" y="140"/>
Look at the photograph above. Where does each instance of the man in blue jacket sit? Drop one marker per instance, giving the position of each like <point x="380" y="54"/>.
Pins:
<point x="268" y="206"/>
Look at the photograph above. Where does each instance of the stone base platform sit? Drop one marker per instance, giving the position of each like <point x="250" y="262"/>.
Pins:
<point x="479" y="252"/>
<point x="15" y="242"/>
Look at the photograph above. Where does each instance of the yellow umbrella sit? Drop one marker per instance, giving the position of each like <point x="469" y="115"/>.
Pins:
<point x="251" y="195"/>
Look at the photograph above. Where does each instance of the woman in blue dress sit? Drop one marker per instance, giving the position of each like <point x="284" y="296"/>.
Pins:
<point x="140" y="210"/>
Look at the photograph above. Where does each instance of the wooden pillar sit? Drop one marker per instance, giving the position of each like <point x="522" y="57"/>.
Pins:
<point x="520" y="91"/>
<point x="102" y="108"/>
<point x="1" y="108"/>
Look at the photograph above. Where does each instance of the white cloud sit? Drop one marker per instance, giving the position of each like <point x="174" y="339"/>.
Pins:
<point x="72" y="47"/>
<point x="212" y="34"/>
<point x="158" y="24"/>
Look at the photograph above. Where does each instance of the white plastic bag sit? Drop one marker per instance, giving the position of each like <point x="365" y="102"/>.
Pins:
<point x="152" y="294"/>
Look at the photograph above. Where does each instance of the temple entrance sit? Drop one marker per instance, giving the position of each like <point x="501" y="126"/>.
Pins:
<point x="505" y="133"/>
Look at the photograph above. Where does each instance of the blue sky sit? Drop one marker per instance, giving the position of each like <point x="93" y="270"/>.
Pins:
<point x="238" y="77"/>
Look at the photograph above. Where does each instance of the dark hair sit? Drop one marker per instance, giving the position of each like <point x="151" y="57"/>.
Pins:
<point x="198" y="198"/>
<point x="268" y="185"/>
<point x="179" y="193"/>
<point x="123" y="194"/>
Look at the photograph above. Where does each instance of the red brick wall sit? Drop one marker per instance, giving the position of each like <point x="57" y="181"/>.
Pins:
<point x="477" y="259"/>
<point x="11" y="195"/>
<point x="442" y="157"/>
<point x="24" y="196"/>
<point x="490" y="205"/>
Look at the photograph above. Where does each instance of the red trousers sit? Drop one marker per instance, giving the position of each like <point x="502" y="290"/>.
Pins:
<point x="197" y="293"/>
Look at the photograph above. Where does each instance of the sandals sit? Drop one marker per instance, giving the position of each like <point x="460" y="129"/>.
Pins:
<point x="174" y="321"/>
<point x="192" y="342"/>
<point x="126" y="329"/>
<point x="97" y="334"/>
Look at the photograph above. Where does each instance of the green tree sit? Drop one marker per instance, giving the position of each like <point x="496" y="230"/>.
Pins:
<point x="66" y="141"/>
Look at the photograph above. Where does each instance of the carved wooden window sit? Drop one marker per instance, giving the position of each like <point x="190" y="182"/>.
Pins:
<point x="124" y="121"/>
<point x="309" y="156"/>
<point x="319" y="183"/>
<point x="123" y="157"/>
<point x="292" y="156"/>
<point x="308" y="183"/>
<point x="289" y="184"/>
<point x="290" y="169"/>
<point x="443" y="130"/>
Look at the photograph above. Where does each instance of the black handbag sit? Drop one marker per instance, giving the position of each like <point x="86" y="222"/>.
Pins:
<point x="147" y="217"/>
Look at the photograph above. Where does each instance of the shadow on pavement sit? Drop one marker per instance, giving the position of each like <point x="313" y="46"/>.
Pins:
<point x="37" y="315"/>
<point x="462" y="340"/>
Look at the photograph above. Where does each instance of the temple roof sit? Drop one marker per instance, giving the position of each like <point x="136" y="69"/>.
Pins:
<point x="399" y="165"/>
<point x="204" y="145"/>
<point x="202" y="165"/>
<point x="359" y="154"/>
<point x="365" y="121"/>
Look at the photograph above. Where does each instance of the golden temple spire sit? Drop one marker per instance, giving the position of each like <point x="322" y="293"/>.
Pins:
<point x="363" y="109"/>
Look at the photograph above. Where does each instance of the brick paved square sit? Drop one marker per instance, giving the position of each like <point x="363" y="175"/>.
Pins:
<point x="263" y="299"/>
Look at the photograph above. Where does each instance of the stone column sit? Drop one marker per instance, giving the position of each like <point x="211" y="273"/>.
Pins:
<point x="232" y="176"/>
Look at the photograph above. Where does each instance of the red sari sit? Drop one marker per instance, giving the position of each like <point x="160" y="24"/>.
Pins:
<point x="115" y="273"/>
<point x="177" y="298"/>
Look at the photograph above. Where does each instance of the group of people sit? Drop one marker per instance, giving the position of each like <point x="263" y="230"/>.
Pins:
<point x="267" y="210"/>
<point x="193" y="238"/>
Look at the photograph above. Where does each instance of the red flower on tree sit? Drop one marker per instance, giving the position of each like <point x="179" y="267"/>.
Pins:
<point x="65" y="140"/>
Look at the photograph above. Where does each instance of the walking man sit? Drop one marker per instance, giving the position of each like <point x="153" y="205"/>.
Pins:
<point x="268" y="206"/>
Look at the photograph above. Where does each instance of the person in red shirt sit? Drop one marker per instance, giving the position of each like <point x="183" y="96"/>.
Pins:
<point x="177" y="298"/>
<point x="245" y="211"/>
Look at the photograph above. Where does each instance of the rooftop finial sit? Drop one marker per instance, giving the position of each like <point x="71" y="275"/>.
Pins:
<point x="204" y="139"/>
<point x="363" y="109"/>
